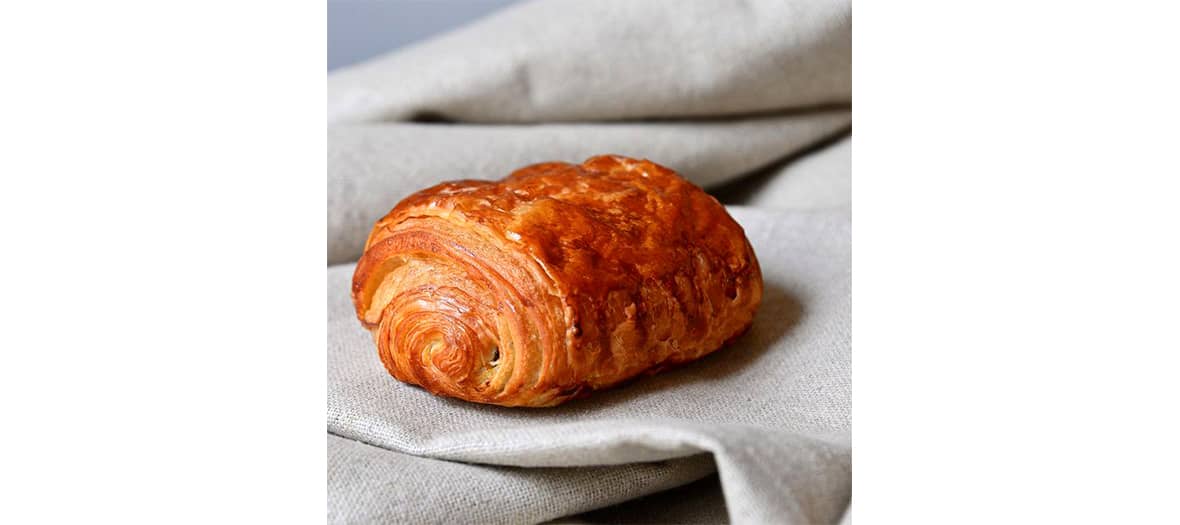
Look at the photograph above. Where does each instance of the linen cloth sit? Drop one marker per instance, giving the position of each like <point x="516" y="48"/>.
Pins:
<point x="697" y="503"/>
<point x="735" y="96"/>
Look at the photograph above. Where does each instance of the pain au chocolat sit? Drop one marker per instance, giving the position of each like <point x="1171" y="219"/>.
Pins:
<point x="556" y="281"/>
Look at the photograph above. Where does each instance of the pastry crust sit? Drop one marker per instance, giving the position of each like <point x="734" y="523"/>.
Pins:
<point x="556" y="281"/>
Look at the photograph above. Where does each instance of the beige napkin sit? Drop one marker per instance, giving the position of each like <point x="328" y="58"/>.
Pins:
<point x="736" y="96"/>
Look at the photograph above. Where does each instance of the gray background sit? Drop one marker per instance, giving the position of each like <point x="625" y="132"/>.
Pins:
<point x="360" y="29"/>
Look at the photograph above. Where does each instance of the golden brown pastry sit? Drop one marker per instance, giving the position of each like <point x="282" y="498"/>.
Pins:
<point x="554" y="282"/>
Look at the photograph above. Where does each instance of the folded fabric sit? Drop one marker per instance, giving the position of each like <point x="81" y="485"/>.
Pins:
<point x="821" y="179"/>
<point x="371" y="167"/>
<point x="569" y="60"/>
<point x="773" y="409"/>
<point x="368" y="484"/>
<point x="697" y="503"/>
<point x="733" y="95"/>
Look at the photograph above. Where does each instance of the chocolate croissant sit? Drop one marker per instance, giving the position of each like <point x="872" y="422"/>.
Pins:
<point x="554" y="282"/>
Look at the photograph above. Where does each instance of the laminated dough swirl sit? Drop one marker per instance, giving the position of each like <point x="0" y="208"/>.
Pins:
<point x="558" y="280"/>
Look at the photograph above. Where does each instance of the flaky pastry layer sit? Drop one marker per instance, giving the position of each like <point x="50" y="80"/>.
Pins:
<point x="556" y="281"/>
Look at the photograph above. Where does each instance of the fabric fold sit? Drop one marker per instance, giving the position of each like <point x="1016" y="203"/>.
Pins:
<point x="568" y="60"/>
<point x="372" y="167"/>
<point x="733" y="95"/>
<point x="773" y="409"/>
<point x="368" y="484"/>
<point x="697" y="503"/>
<point x="819" y="179"/>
